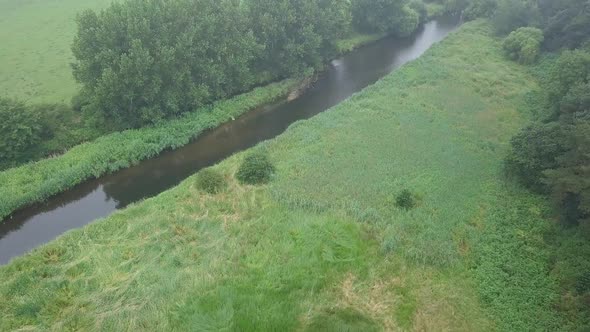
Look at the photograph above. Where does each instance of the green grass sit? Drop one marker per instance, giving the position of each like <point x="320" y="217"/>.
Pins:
<point x="324" y="246"/>
<point x="35" y="55"/>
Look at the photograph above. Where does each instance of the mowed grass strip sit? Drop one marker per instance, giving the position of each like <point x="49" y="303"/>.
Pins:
<point x="324" y="246"/>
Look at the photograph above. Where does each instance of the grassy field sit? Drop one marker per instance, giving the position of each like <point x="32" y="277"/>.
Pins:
<point x="323" y="247"/>
<point x="35" y="55"/>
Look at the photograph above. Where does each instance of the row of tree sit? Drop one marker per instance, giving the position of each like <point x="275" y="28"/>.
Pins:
<point x="140" y="61"/>
<point x="144" y="60"/>
<point x="552" y="156"/>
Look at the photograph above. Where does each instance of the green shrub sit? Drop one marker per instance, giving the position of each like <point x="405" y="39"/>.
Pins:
<point x="255" y="169"/>
<point x="405" y="200"/>
<point x="20" y="129"/>
<point x="480" y="8"/>
<point x="210" y="181"/>
<point x="523" y="45"/>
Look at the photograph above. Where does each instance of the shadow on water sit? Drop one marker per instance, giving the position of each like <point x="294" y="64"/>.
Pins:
<point x="94" y="199"/>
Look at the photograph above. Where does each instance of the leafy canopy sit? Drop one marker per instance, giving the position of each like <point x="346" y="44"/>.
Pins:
<point x="523" y="45"/>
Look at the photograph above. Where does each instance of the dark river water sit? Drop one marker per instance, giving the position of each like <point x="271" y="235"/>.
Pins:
<point x="41" y="223"/>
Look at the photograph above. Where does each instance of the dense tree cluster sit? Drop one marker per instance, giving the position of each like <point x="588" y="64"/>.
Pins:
<point x="565" y="23"/>
<point x="554" y="155"/>
<point x="385" y="16"/>
<point x="523" y="44"/>
<point x="144" y="60"/>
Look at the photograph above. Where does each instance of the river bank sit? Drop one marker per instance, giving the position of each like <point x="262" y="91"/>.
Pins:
<point x="97" y="198"/>
<point x="35" y="182"/>
<point x="324" y="246"/>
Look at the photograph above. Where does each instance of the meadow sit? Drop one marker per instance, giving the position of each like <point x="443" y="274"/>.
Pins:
<point x="35" y="56"/>
<point x="324" y="247"/>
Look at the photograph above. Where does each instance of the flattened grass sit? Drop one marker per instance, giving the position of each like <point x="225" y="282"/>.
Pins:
<point x="323" y="245"/>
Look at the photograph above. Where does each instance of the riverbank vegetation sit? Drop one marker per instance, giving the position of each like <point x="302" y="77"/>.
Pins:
<point x="324" y="245"/>
<point x="37" y="181"/>
<point x="172" y="57"/>
<point x="167" y="60"/>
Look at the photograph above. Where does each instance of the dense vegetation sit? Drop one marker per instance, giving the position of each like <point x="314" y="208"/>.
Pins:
<point x="36" y="181"/>
<point x="324" y="245"/>
<point x="552" y="156"/>
<point x="139" y="62"/>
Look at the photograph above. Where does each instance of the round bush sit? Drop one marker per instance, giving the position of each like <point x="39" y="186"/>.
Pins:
<point x="405" y="200"/>
<point x="523" y="45"/>
<point x="255" y="169"/>
<point x="210" y="181"/>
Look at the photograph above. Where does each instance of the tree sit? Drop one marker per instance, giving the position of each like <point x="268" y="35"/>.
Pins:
<point x="379" y="16"/>
<point x="555" y="156"/>
<point x="144" y="60"/>
<point x="20" y="129"/>
<point x="480" y="8"/>
<point x="566" y="23"/>
<point x="513" y="14"/>
<point x="296" y="34"/>
<point x="523" y="44"/>
<point x="569" y="182"/>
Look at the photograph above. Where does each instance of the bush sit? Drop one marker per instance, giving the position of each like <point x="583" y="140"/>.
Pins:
<point x="210" y="181"/>
<point x="405" y="200"/>
<point x="255" y="169"/>
<point x="523" y="45"/>
<point x="20" y="129"/>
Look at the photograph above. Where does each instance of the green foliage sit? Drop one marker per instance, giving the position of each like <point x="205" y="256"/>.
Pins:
<point x="513" y="14"/>
<point x="554" y="156"/>
<point x="256" y="168"/>
<point x="34" y="182"/>
<point x="376" y="16"/>
<point x="210" y="181"/>
<point x="480" y="9"/>
<point x="142" y="61"/>
<point x="20" y="129"/>
<point x="566" y="23"/>
<point x="534" y="150"/>
<point x="523" y="45"/>
<point x="405" y="200"/>
<point x="296" y="35"/>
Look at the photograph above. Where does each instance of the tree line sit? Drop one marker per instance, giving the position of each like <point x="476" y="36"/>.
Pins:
<point x="551" y="156"/>
<point x="141" y="61"/>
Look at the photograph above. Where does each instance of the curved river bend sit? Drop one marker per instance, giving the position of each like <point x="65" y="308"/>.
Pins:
<point x="94" y="199"/>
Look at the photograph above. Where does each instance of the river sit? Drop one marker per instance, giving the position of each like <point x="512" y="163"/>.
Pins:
<point x="41" y="223"/>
